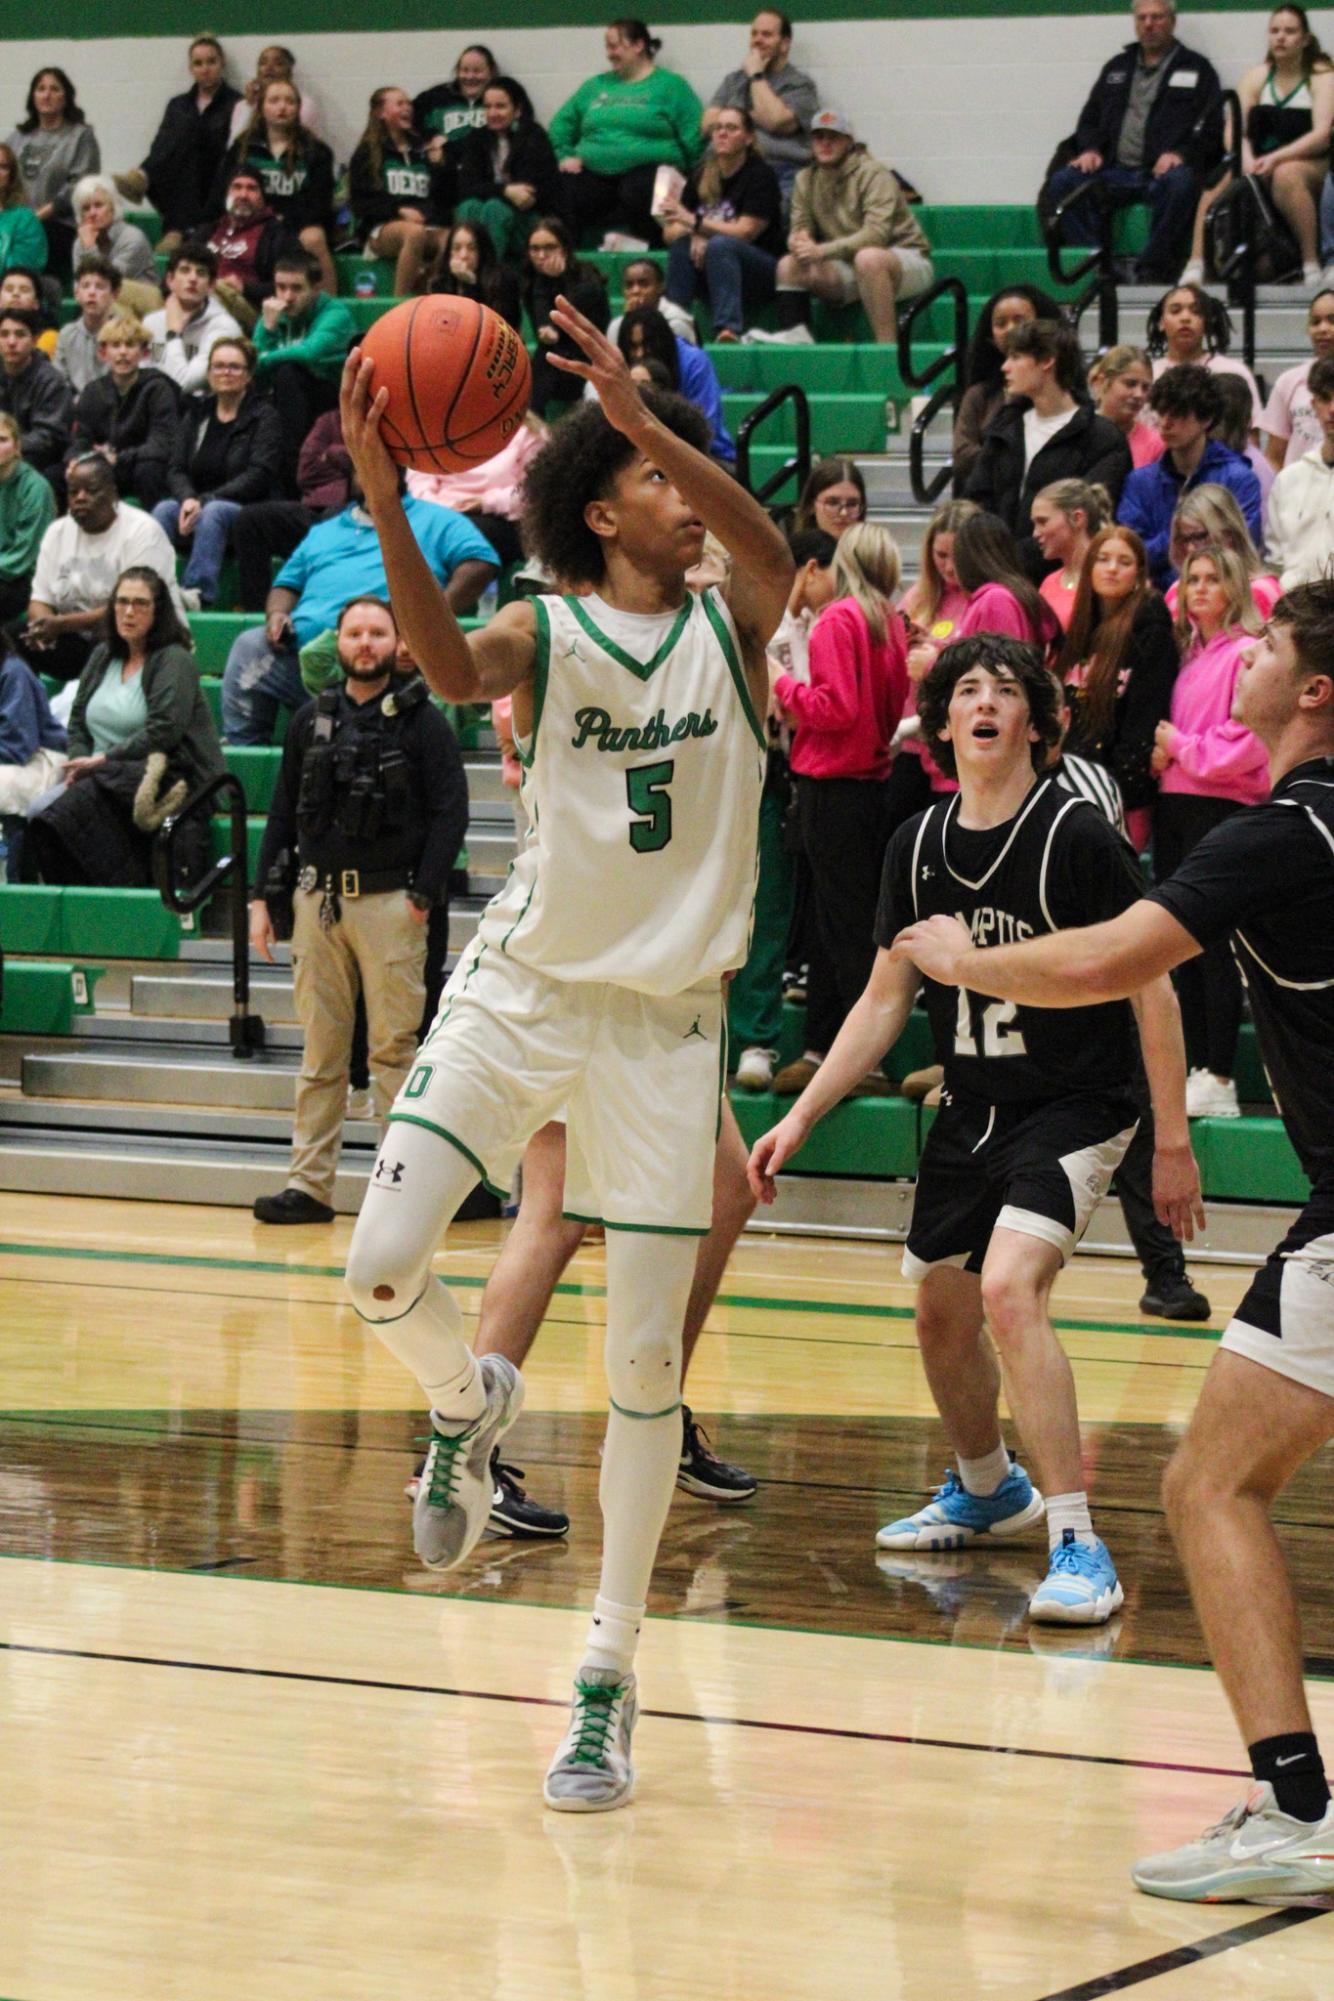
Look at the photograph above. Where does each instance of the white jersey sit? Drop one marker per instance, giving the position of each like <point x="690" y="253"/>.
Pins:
<point x="642" y="783"/>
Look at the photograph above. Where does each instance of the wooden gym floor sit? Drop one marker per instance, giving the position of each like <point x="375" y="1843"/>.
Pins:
<point x="250" y="1750"/>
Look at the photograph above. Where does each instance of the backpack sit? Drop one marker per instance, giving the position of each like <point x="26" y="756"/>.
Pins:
<point x="1245" y="213"/>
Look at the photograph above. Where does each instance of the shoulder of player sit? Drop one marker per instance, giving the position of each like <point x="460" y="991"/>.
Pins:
<point x="903" y="841"/>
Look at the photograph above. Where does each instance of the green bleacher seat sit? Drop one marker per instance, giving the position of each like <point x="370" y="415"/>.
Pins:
<point x="350" y="267"/>
<point x="43" y="997"/>
<point x="221" y="829"/>
<point x="838" y="423"/>
<point x="148" y="220"/>
<point x="257" y="769"/>
<point x="215" y="632"/>
<point x="1247" y="1160"/>
<point x="879" y="1134"/>
<point x="118" y="924"/>
<point x="29" y="917"/>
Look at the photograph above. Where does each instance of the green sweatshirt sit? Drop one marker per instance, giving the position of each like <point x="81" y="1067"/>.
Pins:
<point x="319" y="341"/>
<point x="22" y="240"/>
<point x="613" y="126"/>
<point x="27" y="509"/>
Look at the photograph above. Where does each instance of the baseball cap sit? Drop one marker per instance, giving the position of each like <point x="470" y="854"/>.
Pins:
<point x="830" y="120"/>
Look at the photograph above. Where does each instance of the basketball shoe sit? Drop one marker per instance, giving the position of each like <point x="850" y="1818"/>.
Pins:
<point x="702" y="1472"/>
<point x="1255" y="1855"/>
<point x="454" y="1495"/>
<point x="1081" y="1587"/>
<point x="591" y="1771"/>
<point x="954" y="1516"/>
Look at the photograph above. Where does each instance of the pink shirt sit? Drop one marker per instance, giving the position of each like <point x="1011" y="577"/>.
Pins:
<point x="993" y="608"/>
<point x="494" y="485"/>
<point x="847" y="713"/>
<point x="1289" y="413"/>
<point x="1145" y="444"/>
<point x="953" y="604"/>
<point x="1265" y="594"/>
<point x="1055" y="592"/>
<point x="1213" y="756"/>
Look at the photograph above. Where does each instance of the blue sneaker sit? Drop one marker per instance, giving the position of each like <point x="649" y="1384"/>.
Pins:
<point x="955" y="1516"/>
<point x="1081" y="1587"/>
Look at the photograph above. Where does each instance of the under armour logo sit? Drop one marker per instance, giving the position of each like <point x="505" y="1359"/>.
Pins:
<point x="384" y="1171"/>
<point x="695" y="1029"/>
<point x="927" y="873"/>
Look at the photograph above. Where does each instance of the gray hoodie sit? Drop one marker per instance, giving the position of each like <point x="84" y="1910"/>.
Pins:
<point x="51" y="162"/>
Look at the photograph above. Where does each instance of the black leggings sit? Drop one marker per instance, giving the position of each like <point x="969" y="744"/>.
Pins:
<point x="842" y="823"/>
<point x="611" y="201"/>
<point x="1208" y="987"/>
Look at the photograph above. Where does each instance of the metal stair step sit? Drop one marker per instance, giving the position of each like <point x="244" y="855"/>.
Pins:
<point x="180" y="1170"/>
<point x="168" y="1077"/>
<point x="205" y="998"/>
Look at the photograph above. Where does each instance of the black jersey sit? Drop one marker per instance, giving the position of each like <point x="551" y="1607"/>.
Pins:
<point x="1267" y="876"/>
<point x="1055" y="865"/>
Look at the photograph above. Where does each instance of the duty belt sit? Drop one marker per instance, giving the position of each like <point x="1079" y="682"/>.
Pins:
<point x="338" y="883"/>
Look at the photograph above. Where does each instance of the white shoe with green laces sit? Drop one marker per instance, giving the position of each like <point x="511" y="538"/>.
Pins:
<point x="454" y="1493"/>
<point x="591" y="1771"/>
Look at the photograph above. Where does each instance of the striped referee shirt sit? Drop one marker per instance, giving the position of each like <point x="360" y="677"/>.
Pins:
<point x="1095" y="783"/>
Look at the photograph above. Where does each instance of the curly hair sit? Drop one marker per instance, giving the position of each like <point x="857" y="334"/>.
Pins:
<point x="1217" y="323"/>
<point x="1005" y="660"/>
<point x="578" y="465"/>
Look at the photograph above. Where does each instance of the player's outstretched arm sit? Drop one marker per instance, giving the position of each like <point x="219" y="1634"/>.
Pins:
<point x="872" y="1027"/>
<point x="1100" y="962"/>
<point x="762" y="564"/>
<point x="1177" y="1200"/>
<point x="460" y="668"/>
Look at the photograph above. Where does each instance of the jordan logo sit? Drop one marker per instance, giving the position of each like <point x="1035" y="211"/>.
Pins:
<point x="385" y="1172"/>
<point x="695" y="1029"/>
<point x="572" y="651"/>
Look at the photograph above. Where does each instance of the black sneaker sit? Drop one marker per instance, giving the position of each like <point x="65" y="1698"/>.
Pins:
<point x="292" y="1206"/>
<point x="513" y="1514"/>
<point x="1171" y="1296"/>
<point x="702" y="1472"/>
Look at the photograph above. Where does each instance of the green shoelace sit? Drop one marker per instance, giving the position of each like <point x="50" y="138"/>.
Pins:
<point x="444" y="1466"/>
<point x="595" y="1722"/>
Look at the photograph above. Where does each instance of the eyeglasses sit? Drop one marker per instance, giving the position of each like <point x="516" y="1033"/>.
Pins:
<point x="1191" y="538"/>
<point x="839" y="506"/>
<point x="542" y="249"/>
<point x="133" y="604"/>
<point x="227" y="367"/>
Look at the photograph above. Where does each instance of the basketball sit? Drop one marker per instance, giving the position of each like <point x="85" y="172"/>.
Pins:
<point x="458" y="381"/>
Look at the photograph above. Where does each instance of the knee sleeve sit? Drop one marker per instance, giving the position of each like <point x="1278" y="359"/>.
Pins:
<point x="648" y="1286"/>
<point x="417" y="1184"/>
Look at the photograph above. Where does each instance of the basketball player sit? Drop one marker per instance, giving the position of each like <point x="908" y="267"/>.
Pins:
<point x="594" y="981"/>
<point x="1265" y="878"/>
<point x="1036" y="1111"/>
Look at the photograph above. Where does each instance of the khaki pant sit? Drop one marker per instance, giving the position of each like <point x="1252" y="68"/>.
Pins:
<point x="377" y="945"/>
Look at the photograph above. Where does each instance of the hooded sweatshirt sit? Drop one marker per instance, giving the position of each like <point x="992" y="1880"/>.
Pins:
<point x="1213" y="757"/>
<point x="854" y="206"/>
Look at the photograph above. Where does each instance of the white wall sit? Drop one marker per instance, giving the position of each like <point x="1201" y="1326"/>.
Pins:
<point x="969" y="109"/>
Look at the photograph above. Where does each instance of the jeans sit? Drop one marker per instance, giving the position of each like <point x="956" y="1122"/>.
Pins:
<point x="207" y="546"/>
<point x="1172" y="199"/>
<point x="1327" y="220"/>
<point x="737" y="277"/>
<point x="258" y="680"/>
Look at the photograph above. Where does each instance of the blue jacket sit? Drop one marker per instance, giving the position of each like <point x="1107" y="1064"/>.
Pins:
<point x="1151" y="496"/>
<point x="700" y="386"/>
<point x="26" y="722"/>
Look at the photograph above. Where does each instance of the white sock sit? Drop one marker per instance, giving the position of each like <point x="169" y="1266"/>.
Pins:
<point x="1068" y="1511"/>
<point x="613" y="1635"/>
<point x="981" y="1477"/>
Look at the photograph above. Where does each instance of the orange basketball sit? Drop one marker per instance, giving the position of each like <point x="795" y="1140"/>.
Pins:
<point x="458" y="381"/>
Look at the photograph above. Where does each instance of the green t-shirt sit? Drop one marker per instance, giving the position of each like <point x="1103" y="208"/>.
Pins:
<point x="117" y="710"/>
<point x="614" y="126"/>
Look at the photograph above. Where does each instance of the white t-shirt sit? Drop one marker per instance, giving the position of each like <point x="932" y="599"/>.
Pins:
<point x="184" y="355"/>
<point x="76" y="571"/>
<point x="1038" y="430"/>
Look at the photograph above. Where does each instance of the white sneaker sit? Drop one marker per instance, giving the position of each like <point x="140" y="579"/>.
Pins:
<point x="1311" y="276"/>
<point x="800" y="336"/>
<point x="755" y="1071"/>
<point x="190" y="598"/>
<point x="360" y="1104"/>
<point x="591" y="1771"/>
<point x="1255" y="1855"/>
<point x="456" y="1488"/>
<point x="1210" y="1097"/>
<point x="1193" y="273"/>
<point x="617" y="239"/>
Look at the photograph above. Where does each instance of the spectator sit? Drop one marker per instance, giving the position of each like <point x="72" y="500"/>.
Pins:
<point x="296" y="170"/>
<point x="553" y="269"/>
<point x="184" y="330"/>
<point x="507" y="168"/>
<point x="1120" y="381"/>
<point x="616" y="131"/>
<point x="779" y="99"/>
<point x="339" y="559"/>
<point x="1150" y="132"/>
<point x="273" y="64"/>
<point x="448" y="112"/>
<point x="302" y="341"/>
<point x="78" y="354"/>
<point x="1043" y="433"/>
<point x="128" y="416"/>
<point x="1001" y="597"/>
<point x="27" y="509"/>
<point x="227" y="451"/>
<point x="339" y="817"/>
<point x="1210" y="515"/>
<point x="100" y="231"/>
<point x="79" y="559"/>
<point x="491" y="494"/>
<point x="1287" y="107"/>
<point x="726" y="228"/>
<point x="1187" y="405"/>
<point x="1118" y="663"/>
<point x="833" y="497"/>
<point x="32" y="742"/>
<point x="1234" y="430"/>
<point x="646" y="336"/>
<point x="982" y="369"/>
<point x="643" y="284"/>
<point x="467" y="267"/>
<point x="844" y="720"/>
<point x="141" y="740"/>
<point x="22" y="238"/>
<point x="1301" y="506"/>
<point x="33" y="390"/>
<point x="246" y="240"/>
<point x="1066" y="516"/>
<point x="931" y="612"/>
<point x="852" y="236"/>
<point x="400" y="200"/>
<point x="1290" y="424"/>
<point x="188" y="147"/>
<point x="26" y="289"/>
<point x="266" y="529"/>
<point x="1189" y="326"/>
<point x="1208" y="768"/>
<point x="54" y="145"/>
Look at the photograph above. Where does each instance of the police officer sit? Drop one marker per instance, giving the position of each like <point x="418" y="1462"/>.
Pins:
<point x="371" y="807"/>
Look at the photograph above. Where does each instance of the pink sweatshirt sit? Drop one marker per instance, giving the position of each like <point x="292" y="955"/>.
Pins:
<point x="1214" y="757"/>
<point x="846" y="715"/>
<point x="494" y="485"/>
<point x="992" y="608"/>
<point x="1146" y="445"/>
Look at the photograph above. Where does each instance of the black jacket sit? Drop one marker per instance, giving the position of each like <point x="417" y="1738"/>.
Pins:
<point x="532" y="159"/>
<point x="1089" y="448"/>
<point x="141" y="426"/>
<point x="1186" y="117"/>
<point x="1148" y="672"/>
<point x="426" y="845"/>
<point x="41" y="403"/>
<point x="405" y="180"/>
<point x="299" y="191"/>
<point x="186" y="152"/>
<point x="255" y="459"/>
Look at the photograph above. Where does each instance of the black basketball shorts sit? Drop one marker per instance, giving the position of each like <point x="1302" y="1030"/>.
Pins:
<point x="1286" y="1320"/>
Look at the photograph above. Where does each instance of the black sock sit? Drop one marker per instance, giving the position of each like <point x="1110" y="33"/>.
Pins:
<point x="1293" y="1767"/>
<point x="794" y="309"/>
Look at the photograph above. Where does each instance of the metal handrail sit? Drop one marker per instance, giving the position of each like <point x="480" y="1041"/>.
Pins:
<point x="1239" y="273"/>
<point x="950" y="363"/>
<point x="799" y="465"/>
<point x="246" y="1030"/>
<point x="1099" y="265"/>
